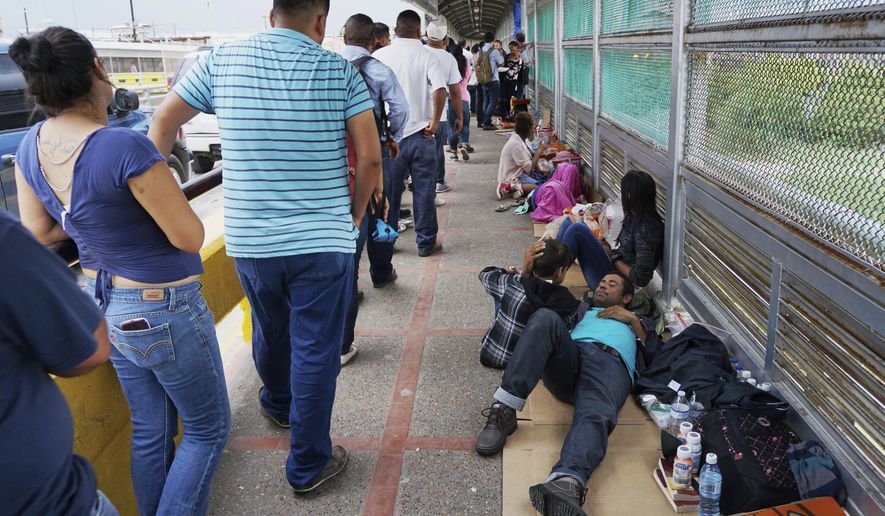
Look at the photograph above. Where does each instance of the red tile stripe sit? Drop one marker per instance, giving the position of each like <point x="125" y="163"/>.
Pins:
<point x="381" y="498"/>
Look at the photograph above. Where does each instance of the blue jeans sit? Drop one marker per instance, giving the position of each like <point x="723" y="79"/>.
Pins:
<point x="480" y="106"/>
<point x="103" y="506"/>
<point x="440" y="139"/>
<point x="595" y="264"/>
<point x="579" y="373"/>
<point x="172" y="368"/>
<point x="416" y="157"/>
<point x="298" y="312"/>
<point x="464" y="135"/>
<point x="491" y="91"/>
<point x="472" y="91"/>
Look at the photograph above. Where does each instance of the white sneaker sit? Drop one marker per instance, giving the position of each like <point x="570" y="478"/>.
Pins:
<point x="440" y="201"/>
<point x="350" y="355"/>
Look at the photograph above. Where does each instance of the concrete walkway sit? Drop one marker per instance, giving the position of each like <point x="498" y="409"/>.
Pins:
<point x="408" y="408"/>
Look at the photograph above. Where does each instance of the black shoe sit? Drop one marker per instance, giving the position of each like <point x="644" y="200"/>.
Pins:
<point x="424" y="253"/>
<point x="500" y="422"/>
<point x="360" y="295"/>
<point x="388" y="281"/>
<point x="277" y="420"/>
<point x="404" y="214"/>
<point x="335" y="465"/>
<point x="561" y="497"/>
<point x="489" y="128"/>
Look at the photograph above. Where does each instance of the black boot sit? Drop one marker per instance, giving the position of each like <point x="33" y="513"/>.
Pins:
<point x="561" y="497"/>
<point x="500" y="422"/>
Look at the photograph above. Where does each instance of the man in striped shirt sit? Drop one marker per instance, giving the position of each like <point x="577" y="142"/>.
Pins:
<point x="284" y="105"/>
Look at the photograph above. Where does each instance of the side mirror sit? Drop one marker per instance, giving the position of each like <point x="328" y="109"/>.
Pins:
<point x="125" y="101"/>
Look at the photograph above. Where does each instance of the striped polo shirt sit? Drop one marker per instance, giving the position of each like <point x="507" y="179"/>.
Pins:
<point x="281" y="102"/>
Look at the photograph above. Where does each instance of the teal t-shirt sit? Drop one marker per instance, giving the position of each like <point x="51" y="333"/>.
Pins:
<point x="610" y="332"/>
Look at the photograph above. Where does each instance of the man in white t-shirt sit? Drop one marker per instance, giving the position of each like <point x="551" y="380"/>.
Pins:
<point x="424" y="85"/>
<point x="436" y="42"/>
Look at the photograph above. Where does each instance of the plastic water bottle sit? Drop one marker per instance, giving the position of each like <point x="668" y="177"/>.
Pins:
<point x="693" y="441"/>
<point x="734" y="362"/>
<point x="751" y="381"/>
<point x="695" y="410"/>
<point x="678" y="412"/>
<point x="710" y="487"/>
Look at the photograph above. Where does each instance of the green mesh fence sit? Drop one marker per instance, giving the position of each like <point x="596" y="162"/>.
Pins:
<point x="530" y="36"/>
<point x="546" y="18"/>
<point x="731" y="11"/>
<point x="578" y="18"/>
<point x="545" y="68"/>
<point x="578" y="65"/>
<point x="635" y="91"/>
<point x="799" y="133"/>
<point x="636" y="15"/>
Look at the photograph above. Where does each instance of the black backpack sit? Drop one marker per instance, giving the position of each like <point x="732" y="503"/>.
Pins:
<point x="381" y="123"/>
<point x="752" y="454"/>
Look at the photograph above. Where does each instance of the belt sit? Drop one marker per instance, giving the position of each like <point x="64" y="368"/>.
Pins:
<point x="608" y="349"/>
<point x="613" y="352"/>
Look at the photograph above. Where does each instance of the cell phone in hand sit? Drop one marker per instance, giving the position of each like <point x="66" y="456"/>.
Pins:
<point x="135" y="324"/>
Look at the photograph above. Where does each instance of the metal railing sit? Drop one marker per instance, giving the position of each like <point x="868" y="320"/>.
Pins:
<point x="763" y="124"/>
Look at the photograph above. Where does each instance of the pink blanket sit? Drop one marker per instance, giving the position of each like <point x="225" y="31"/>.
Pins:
<point x="558" y="193"/>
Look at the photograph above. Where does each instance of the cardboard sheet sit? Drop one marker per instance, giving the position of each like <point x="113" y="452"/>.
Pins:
<point x="621" y="485"/>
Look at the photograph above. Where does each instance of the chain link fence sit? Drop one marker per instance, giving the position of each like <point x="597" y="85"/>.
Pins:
<point x="705" y="12"/>
<point x="802" y="134"/>
<point x="636" y="15"/>
<point x="635" y="90"/>
<point x="579" y="21"/>
<point x="578" y="85"/>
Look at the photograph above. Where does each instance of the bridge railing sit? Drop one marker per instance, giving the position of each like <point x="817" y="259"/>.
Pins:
<point x="763" y="123"/>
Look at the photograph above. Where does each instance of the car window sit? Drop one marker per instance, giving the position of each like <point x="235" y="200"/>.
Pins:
<point x="17" y="110"/>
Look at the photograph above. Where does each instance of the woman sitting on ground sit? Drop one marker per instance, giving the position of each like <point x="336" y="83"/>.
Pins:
<point x="641" y="242"/>
<point x="518" y="161"/>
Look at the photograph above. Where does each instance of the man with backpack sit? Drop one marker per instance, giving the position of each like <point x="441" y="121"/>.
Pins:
<point x="487" y="62"/>
<point x="360" y="35"/>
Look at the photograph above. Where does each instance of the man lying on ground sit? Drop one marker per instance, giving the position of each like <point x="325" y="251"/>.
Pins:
<point x="592" y="367"/>
<point x="518" y="295"/>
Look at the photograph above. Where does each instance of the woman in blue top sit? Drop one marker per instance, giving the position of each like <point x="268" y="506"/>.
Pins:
<point x="640" y="243"/>
<point x="110" y="190"/>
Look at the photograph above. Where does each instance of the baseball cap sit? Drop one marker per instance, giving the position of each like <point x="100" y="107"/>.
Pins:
<point x="437" y="30"/>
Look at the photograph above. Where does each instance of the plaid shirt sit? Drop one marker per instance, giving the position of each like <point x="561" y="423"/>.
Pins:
<point x="510" y="318"/>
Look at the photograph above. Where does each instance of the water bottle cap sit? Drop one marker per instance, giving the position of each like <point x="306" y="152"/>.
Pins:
<point x="683" y="452"/>
<point x="765" y="386"/>
<point x="685" y="427"/>
<point x="681" y="393"/>
<point x="733" y="360"/>
<point x="746" y="374"/>
<point x="711" y="458"/>
<point x="738" y="367"/>
<point x="694" y="438"/>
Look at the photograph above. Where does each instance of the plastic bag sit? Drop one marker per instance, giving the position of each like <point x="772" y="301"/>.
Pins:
<point x="659" y="412"/>
<point x="611" y="221"/>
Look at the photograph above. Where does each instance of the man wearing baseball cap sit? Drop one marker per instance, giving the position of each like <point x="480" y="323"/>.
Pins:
<point x="436" y="41"/>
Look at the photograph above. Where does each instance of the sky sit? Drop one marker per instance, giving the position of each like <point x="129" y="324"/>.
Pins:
<point x="186" y="16"/>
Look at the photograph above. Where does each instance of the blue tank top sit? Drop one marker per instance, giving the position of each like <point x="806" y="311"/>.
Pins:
<point x="115" y="235"/>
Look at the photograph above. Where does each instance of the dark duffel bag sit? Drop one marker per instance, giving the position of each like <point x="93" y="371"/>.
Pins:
<point x="752" y="453"/>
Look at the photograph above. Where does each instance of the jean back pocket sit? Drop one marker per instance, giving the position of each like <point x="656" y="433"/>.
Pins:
<point x="148" y="348"/>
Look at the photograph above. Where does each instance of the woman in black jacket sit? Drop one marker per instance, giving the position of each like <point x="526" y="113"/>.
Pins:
<point x="641" y="242"/>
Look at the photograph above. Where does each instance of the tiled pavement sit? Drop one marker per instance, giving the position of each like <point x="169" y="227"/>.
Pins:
<point x="408" y="408"/>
